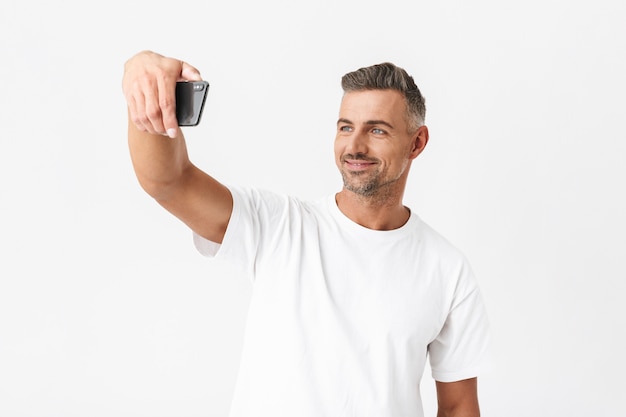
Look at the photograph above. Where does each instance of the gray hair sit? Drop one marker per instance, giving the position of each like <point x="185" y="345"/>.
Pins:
<point x="387" y="76"/>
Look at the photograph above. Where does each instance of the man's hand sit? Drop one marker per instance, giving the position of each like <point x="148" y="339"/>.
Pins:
<point x="149" y="85"/>
<point x="458" y="399"/>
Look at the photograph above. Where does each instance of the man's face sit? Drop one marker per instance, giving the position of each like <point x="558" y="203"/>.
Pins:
<point x="373" y="146"/>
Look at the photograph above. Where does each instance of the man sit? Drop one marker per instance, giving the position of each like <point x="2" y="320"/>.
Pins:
<point x="351" y="292"/>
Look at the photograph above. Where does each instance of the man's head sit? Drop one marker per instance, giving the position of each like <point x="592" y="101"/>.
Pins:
<point x="380" y="130"/>
<point x="387" y="76"/>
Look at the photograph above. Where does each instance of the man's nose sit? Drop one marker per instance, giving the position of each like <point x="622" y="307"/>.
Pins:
<point x="357" y="143"/>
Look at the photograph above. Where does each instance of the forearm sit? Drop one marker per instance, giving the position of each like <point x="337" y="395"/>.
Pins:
<point x="159" y="161"/>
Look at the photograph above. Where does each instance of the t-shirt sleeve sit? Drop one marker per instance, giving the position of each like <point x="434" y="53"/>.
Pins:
<point x="252" y="223"/>
<point x="461" y="349"/>
<point x="205" y="247"/>
<point x="240" y="238"/>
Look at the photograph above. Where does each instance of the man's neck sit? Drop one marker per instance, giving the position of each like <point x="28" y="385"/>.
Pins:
<point x="372" y="212"/>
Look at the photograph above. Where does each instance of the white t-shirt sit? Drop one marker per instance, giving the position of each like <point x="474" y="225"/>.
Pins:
<point x="342" y="318"/>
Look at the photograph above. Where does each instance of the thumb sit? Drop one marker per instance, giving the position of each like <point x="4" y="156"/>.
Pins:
<point x="190" y="73"/>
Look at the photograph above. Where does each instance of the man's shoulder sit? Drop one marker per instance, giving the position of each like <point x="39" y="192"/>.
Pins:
<point x="273" y="203"/>
<point x="437" y="242"/>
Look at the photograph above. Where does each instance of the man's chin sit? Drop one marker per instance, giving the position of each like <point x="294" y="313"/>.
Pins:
<point x="363" y="190"/>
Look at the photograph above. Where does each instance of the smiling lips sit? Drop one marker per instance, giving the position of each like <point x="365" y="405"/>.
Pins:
<point x="357" y="164"/>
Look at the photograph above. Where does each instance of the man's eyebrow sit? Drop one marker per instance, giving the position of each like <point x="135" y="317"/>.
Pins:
<point x="379" y="122"/>
<point x="369" y="122"/>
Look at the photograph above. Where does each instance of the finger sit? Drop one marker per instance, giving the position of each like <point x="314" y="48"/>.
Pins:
<point x="131" y="105"/>
<point x="167" y="106"/>
<point x="189" y="72"/>
<point x="137" y="112"/>
<point x="153" y="113"/>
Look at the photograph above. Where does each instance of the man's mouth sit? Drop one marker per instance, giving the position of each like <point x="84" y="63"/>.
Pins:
<point x="357" y="163"/>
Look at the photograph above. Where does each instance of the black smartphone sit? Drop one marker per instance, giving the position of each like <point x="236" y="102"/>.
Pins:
<point x="190" y="98"/>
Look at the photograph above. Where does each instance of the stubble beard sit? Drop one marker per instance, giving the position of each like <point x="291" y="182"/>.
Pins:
<point x="369" y="187"/>
<point x="355" y="182"/>
<point x="364" y="184"/>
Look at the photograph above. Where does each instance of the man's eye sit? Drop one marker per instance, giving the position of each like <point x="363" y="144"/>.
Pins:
<point x="378" y="131"/>
<point x="345" y="129"/>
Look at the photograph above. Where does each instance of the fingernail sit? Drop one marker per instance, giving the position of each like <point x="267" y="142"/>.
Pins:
<point x="171" y="132"/>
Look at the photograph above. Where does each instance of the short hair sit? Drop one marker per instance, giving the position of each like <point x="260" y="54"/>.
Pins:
<point x="387" y="76"/>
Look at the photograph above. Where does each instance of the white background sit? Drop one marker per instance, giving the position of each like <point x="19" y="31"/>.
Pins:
<point x="107" y="309"/>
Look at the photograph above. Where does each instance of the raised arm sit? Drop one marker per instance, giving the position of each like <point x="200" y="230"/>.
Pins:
<point x="158" y="151"/>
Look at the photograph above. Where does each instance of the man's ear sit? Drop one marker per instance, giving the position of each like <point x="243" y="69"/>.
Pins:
<point x="420" y="139"/>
